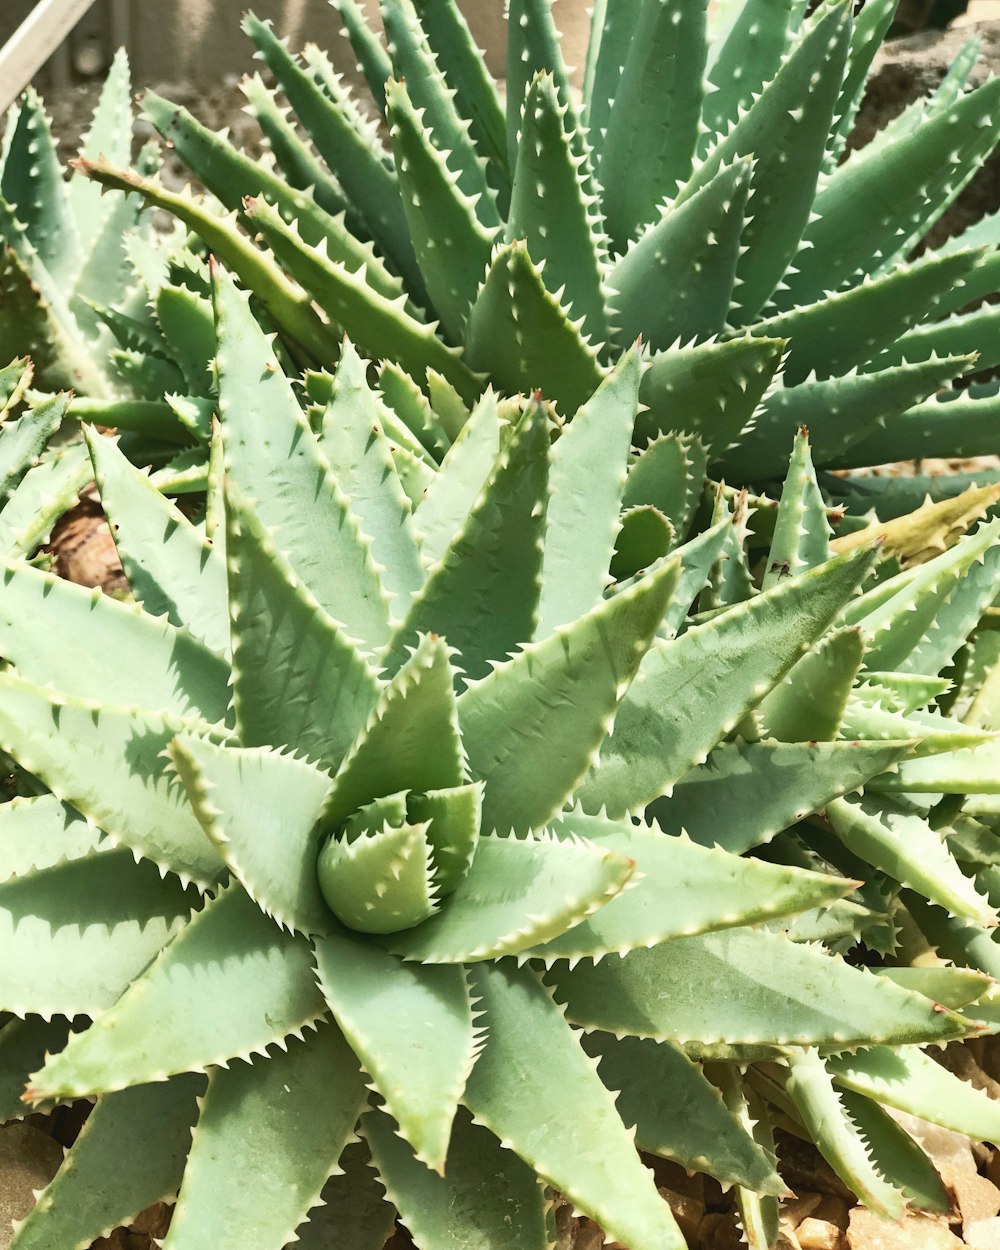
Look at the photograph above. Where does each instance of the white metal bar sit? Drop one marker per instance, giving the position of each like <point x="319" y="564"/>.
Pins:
<point x="34" y="41"/>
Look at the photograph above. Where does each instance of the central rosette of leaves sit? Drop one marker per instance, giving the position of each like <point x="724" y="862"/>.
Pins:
<point x="390" y="864"/>
<point x="403" y="817"/>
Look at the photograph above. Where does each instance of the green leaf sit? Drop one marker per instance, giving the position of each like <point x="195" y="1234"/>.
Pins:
<point x="45" y="493"/>
<point x="765" y="991"/>
<point x="74" y="934"/>
<point x="40" y="832"/>
<point x="416" y="419"/>
<point x="188" y="326"/>
<point x="971" y="770"/>
<point x="550" y="185"/>
<point x="515" y="895"/>
<point x="290" y="307"/>
<point x="668" y="474"/>
<point x="711" y="389"/>
<point x="110" y="134"/>
<point x="911" y="1081"/>
<point x="347" y="142"/>
<point x="681" y="889"/>
<point x="15" y="379"/>
<point x="476" y="95"/>
<point x="360" y="457"/>
<point x="851" y="328"/>
<point x="34" y="320"/>
<point x="278" y="465"/>
<point x="919" y="628"/>
<point x="411" y="741"/>
<point x="414" y="1036"/>
<point x="32" y="184"/>
<point x="452" y="245"/>
<point x="230" y="985"/>
<point x="588" y="1156"/>
<point x="521" y="335"/>
<point x="677" y="1113"/>
<point x="899" y="190"/>
<point x="260" y="810"/>
<point x="612" y="27"/>
<point x="380" y="881"/>
<point x="455" y="816"/>
<point x="801" y="533"/>
<point x="580" y="527"/>
<point x="353" y="1207"/>
<point x="695" y="246"/>
<point x="372" y="58"/>
<point x="129" y="1155"/>
<point x="107" y="762"/>
<point x="532" y="727"/>
<point x="22" y="441"/>
<point x="710" y="678"/>
<point x="482" y="594"/>
<point x="742" y="60"/>
<point x="283" y="1120"/>
<point x="485" y="1198"/>
<point x="897" y="1155"/>
<point x="952" y="423"/>
<point x="299" y="681"/>
<point x="898" y="842"/>
<point x="653" y="122"/>
<point x="808" y="706"/>
<point x="533" y="47"/>
<point x="645" y="537"/>
<point x="233" y="176"/>
<point x="838" y="1137"/>
<point x="172" y="570"/>
<point x="381" y="327"/>
<point x="785" y="129"/>
<point x="23" y="1047"/>
<point x="414" y="62"/>
<point x="455" y="488"/>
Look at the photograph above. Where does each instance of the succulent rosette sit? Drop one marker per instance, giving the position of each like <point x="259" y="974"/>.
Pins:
<point x="339" y="830"/>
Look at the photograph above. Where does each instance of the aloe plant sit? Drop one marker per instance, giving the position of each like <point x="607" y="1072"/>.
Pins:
<point x="328" y="864"/>
<point x="697" y="195"/>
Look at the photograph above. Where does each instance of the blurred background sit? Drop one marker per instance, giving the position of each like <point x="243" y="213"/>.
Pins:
<point x="197" y="40"/>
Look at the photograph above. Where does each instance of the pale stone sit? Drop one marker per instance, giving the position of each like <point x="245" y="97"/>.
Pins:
<point x="867" y="1231"/>
<point x="816" y="1234"/>
<point x="795" y="1210"/>
<point x="982" y="1234"/>
<point x="29" y="1159"/>
<point x="978" y="1198"/>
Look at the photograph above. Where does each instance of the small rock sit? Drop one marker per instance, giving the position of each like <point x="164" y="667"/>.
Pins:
<point x="688" y="1211"/>
<point x="867" y="1231"/>
<point x="719" y="1232"/>
<point x="833" y="1211"/>
<point x="813" y="1234"/>
<point x="982" y="1234"/>
<point x="795" y="1210"/>
<point x="29" y="1159"/>
<point x="588" y="1236"/>
<point x="154" y="1221"/>
<point x="670" y="1175"/>
<point x="977" y="1198"/>
<point x="803" y="1169"/>
<point x="118" y="1240"/>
